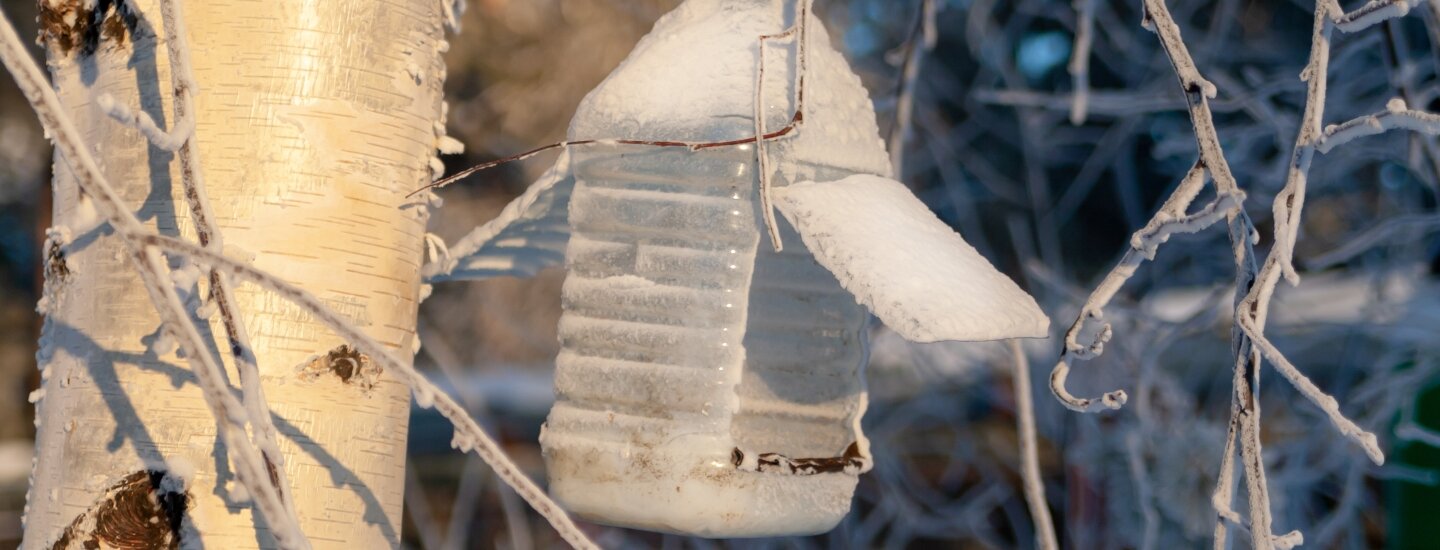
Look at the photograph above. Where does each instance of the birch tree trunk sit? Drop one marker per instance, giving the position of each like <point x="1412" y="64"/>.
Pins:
<point x="314" y="120"/>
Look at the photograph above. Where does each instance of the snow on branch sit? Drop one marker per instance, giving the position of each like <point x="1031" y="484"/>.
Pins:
<point x="1396" y="116"/>
<point x="230" y="415"/>
<point x="469" y="436"/>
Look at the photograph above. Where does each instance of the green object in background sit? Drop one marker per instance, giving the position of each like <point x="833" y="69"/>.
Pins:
<point x="1415" y="516"/>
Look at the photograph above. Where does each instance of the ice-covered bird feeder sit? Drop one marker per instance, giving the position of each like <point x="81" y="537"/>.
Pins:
<point x="708" y="383"/>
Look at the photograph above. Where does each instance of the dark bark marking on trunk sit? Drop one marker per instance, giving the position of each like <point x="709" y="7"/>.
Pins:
<point x="140" y="512"/>
<point x="347" y="364"/>
<point x="68" y="25"/>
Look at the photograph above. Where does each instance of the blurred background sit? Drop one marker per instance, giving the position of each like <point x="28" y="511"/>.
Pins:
<point x="992" y="149"/>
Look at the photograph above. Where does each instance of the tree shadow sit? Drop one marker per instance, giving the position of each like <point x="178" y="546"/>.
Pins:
<point x="103" y="373"/>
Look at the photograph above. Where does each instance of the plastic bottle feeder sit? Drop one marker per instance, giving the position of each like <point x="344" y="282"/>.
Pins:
<point x="708" y="384"/>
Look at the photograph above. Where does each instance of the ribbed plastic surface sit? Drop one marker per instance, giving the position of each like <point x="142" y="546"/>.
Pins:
<point x="681" y="343"/>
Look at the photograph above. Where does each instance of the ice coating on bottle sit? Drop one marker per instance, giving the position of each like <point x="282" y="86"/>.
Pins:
<point x="686" y="345"/>
<point x="706" y="384"/>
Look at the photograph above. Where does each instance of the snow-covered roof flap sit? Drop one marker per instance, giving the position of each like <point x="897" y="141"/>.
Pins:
<point x="910" y="269"/>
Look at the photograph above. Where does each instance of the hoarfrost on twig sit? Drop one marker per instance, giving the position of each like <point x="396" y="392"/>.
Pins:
<point x="1396" y="116"/>
<point x="1374" y="11"/>
<point x="170" y="140"/>
<point x="1029" y="458"/>
<point x="1249" y="341"/>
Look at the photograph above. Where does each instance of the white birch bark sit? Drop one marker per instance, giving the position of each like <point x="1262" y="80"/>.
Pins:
<point x="314" y="120"/>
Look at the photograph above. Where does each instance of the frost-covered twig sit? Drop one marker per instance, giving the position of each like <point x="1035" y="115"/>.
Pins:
<point x="1198" y="93"/>
<point x="192" y="177"/>
<point x="923" y="36"/>
<point x="1250" y="315"/>
<point x="762" y="154"/>
<point x="179" y="133"/>
<point x="469" y="436"/>
<point x="1029" y="457"/>
<point x="1171" y="218"/>
<point x="1372" y="12"/>
<point x="1086" y="338"/>
<point x="1244" y="424"/>
<point x="1252" y="309"/>
<point x="1290" y="201"/>
<point x="229" y="413"/>
<point x="1079" y="66"/>
<point x="1244" y="412"/>
<point x="1396" y="116"/>
<point x="1251" y="312"/>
